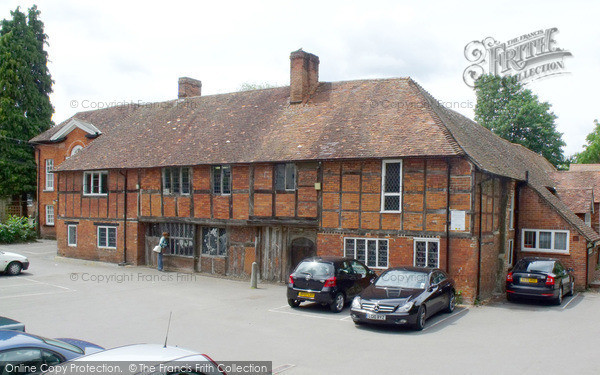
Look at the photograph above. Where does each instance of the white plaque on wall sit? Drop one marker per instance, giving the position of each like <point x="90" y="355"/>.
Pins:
<point x="458" y="220"/>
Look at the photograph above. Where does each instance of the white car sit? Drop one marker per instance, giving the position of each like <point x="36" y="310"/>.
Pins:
<point x="12" y="263"/>
<point x="143" y="359"/>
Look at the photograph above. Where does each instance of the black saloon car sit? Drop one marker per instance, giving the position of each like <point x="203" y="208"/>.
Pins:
<point x="540" y="278"/>
<point x="328" y="280"/>
<point x="405" y="296"/>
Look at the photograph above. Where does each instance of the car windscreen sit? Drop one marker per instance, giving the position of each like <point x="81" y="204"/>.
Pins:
<point x="524" y="265"/>
<point x="315" y="269"/>
<point x="402" y="279"/>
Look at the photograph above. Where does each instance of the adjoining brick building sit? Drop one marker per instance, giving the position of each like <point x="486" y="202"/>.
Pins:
<point x="373" y="169"/>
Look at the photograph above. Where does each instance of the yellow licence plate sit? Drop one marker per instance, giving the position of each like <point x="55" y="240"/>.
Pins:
<point x="528" y="280"/>
<point x="306" y="295"/>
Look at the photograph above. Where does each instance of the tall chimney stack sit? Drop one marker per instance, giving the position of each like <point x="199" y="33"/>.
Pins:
<point x="189" y="87"/>
<point x="304" y="75"/>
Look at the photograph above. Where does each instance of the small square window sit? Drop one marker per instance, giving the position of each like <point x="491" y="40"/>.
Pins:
<point x="72" y="235"/>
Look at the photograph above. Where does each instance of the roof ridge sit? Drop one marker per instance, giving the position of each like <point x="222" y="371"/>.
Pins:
<point x="427" y="97"/>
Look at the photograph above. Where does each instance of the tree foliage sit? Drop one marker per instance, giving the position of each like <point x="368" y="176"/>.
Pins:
<point x="517" y="115"/>
<point x="591" y="152"/>
<point x="248" y="86"/>
<point x="25" y="109"/>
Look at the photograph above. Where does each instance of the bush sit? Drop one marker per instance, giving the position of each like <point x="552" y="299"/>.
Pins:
<point x="17" y="229"/>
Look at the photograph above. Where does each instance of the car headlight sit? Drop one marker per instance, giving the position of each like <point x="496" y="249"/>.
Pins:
<point x="356" y="302"/>
<point x="404" y="308"/>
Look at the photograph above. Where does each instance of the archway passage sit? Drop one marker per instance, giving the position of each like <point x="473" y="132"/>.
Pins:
<point x="301" y="248"/>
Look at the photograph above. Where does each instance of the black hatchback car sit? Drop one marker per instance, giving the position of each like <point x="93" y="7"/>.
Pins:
<point x="405" y="296"/>
<point x="540" y="278"/>
<point x="328" y="280"/>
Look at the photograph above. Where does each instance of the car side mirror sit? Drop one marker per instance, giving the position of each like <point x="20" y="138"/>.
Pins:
<point x="372" y="281"/>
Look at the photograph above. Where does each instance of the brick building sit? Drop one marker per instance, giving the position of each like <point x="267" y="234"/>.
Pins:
<point x="373" y="169"/>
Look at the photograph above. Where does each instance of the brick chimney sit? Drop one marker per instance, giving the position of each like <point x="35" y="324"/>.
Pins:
<point x="189" y="87"/>
<point x="304" y="75"/>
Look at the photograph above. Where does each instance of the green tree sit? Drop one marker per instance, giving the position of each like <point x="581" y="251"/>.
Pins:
<point x="25" y="109"/>
<point x="591" y="152"/>
<point x="517" y="115"/>
<point x="248" y="86"/>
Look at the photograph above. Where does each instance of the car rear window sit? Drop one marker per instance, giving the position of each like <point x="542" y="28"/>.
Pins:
<point x="62" y="344"/>
<point x="402" y="279"/>
<point x="534" y="266"/>
<point x="315" y="269"/>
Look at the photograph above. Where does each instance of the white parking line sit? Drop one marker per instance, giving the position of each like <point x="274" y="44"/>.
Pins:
<point x="282" y="368"/>
<point x="35" y="294"/>
<point x="571" y="300"/>
<point x="54" y="285"/>
<point x="278" y="310"/>
<point x="36" y="253"/>
<point x="443" y="320"/>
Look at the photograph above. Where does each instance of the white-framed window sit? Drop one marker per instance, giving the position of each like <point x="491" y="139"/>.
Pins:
<point x="221" y="175"/>
<point x="176" y="180"/>
<point x="546" y="241"/>
<point x="49" y="175"/>
<point x="95" y="183"/>
<point x="588" y="219"/>
<point x="510" y="252"/>
<point x="49" y="214"/>
<point x="107" y="237"/>
<point x="214" y="241"/>
<point x="391" y="186"/>
<point x="427" y="252"/>
<point x="72" y="235"/>
<point x="511" y="211"/>
<point x="374" y="252"/>
<point x="285" y="177"/>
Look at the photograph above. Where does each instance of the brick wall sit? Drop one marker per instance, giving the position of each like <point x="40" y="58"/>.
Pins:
<point x="535" y="213"/>
<point x="58" y="152"/>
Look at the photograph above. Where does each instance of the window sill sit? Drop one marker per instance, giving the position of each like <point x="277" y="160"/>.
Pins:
<point x="95" y="195"/>
<point x="545" y="251"/>
<point x="70" y="245"/>
<point x="213" y="256"/>
<point x="390" y="212"/>
<point x="47" y="190"/>
<point x="107" y="248"/>
<point x="48" y="225"/>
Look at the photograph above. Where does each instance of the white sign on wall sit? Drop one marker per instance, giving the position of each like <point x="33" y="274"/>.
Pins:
<point x="458" y="220"/>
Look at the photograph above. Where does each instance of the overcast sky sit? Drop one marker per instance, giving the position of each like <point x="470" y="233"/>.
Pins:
<point x="113" y="51"/>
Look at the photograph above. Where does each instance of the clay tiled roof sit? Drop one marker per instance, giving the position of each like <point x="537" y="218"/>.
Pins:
<point x="560" y="206"/>
<point x="579" y="201"/>
<point x="578" y="180"/>
<point x="355" y="119"/>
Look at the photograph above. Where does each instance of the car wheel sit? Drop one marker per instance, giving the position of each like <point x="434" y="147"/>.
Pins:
<point x="421" y="317"/>
<point x="558" y="300"/>
<point x="14" y="268"/>
<point x="338" y="303"/>
<point x="293" y="302"/>
<point x="572" y="288"/>
<point x="451" y="302"/>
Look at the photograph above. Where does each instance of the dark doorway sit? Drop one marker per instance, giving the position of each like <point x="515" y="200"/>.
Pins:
<point x="301" y="248"/>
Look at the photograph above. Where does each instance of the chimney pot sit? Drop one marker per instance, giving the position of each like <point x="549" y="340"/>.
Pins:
<point x="189" y="87"/>
<point x="304" y="75"/>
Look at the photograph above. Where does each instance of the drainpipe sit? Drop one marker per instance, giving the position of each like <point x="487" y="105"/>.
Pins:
<point x="37" y="192"/>
<point x="124" y="219"/>
<point x="448" y="218"/>
<point x="480" y="237"/>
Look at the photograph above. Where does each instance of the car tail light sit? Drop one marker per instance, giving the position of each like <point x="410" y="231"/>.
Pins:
<point x="331" y="282"/>
<point x="549" y="280"/>
<point x="291" y="279"/>
<point x="509" y="277"/>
